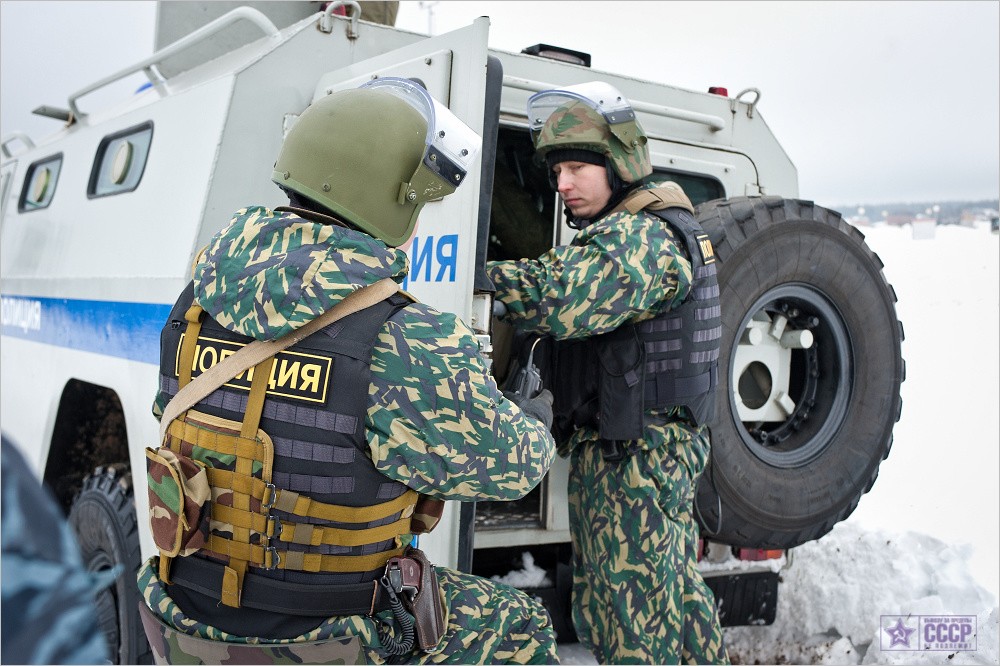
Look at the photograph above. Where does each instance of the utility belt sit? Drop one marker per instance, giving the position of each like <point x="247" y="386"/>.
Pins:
<point x="616" y="450"/>
<point x="408" y="587"/>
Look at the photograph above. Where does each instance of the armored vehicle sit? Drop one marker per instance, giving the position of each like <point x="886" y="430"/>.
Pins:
<point x="101" y="222"/>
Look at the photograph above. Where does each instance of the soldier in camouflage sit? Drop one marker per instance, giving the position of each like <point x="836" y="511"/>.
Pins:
<point x="433" y="423"/>
<point x="611" y="300"/>
<point x="49" y="612"/>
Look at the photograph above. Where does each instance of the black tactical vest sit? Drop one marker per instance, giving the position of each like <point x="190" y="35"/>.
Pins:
<point x="314" y="414"/>
<point x="670" y="360"/>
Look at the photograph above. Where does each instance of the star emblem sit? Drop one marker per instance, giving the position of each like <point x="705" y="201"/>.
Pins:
<point x="899" y="634"/>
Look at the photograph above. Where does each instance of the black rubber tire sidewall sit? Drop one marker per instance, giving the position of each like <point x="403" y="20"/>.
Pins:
<point x="104" y="521"/>
<point x="763" y="243"/>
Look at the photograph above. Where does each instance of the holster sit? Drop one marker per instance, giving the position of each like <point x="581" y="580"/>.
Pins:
<point x="426" y="605"/>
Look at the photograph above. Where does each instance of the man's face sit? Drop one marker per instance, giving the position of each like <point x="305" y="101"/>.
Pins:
<point x="583" y="187"/>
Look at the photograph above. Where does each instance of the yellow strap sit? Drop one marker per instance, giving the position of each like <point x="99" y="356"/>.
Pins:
<point x="256" y="351"/>
<point x="255" y="403"/>
<point x="291" y="502"/>
<point x="219" y="442"/>
<point x="301" y="505"/>
<point x="190" y="344"/>
<point x="297" y="561"/>
<point x="232" y="582"/>
<point x="306" y="534"/>
<point x="164" y="569"/>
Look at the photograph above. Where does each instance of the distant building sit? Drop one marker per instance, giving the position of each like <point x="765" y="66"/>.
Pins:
<point x="973" y="216"/>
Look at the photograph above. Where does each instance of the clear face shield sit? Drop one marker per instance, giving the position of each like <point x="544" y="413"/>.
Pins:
<point x="604" y="98"/>
<point x="450" y="145"/>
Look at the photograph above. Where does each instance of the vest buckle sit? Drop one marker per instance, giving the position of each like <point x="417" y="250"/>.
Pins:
<point x="612" y="450"/>
<point x="272" y="559"/>
<point x="270" y="496"/>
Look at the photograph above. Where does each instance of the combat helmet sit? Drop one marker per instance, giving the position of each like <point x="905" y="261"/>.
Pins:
<point x="593" y="117"/>
<point x="375" y="155"/>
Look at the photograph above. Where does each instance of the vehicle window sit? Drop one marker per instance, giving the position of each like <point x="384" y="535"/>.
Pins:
<point x="698" y="188"/>
<point x="120" y="161"/>
<point x="40" y="184"/>
<point x="524" y="204"/>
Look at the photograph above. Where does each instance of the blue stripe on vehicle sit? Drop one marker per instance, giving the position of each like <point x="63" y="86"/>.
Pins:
<point x="112" y="328"/>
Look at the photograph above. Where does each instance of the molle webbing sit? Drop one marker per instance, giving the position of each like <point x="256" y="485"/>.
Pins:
<point x="612" y="381"/>
<point x="255" y="530"/>
<point x="257" y="520"/>
<point x="682" y="346"/>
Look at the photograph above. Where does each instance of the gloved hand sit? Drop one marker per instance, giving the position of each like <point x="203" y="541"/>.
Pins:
<point x="539" y="407"/>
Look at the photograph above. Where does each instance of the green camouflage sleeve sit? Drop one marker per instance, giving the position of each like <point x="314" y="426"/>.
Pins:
<point x="436" y="420"/>
<point x="623" y="268"/>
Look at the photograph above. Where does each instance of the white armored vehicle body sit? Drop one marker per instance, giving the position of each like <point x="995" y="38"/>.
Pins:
<point x="102" y="220"/>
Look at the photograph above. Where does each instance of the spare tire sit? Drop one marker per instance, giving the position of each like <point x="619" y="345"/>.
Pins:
<point x="809" y="372"/>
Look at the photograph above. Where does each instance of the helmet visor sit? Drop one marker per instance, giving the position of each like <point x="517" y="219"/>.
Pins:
<point x="600" y="96"/>
<point x="450" y="145"/>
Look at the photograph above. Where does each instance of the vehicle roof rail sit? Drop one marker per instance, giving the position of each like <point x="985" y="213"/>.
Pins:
<point x="148" y="65"/>
<point x="15" y="136"/>
<point x="715" y="123"/>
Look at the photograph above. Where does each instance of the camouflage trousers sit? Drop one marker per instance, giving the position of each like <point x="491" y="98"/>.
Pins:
<point x="488" y="623"/>
<point x="638" y="596"/>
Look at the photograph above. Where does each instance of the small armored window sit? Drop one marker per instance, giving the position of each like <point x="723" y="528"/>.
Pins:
<point x="698" y="188"/>
<point x="40" y="184"/>
<point x="120" y="161"/>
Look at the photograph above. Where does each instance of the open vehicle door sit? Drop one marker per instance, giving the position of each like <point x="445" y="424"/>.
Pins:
<point x="446" y="264"/>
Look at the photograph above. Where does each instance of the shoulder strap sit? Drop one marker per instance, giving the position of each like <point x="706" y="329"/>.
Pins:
<point x="667" y="195"/>
<point x="257" y="351"/>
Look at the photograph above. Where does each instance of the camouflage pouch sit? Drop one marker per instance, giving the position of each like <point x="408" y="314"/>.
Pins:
<point x="179" y="505"/>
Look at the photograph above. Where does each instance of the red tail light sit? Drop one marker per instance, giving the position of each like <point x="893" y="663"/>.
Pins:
<point x="757" y="554"/>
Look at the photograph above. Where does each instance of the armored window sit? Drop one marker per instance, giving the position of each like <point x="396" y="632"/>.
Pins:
<point x="120" y="161"/>
<point x="524" y="205"/>
<point x="40" y="184"/>
<point x="698" y="188"/>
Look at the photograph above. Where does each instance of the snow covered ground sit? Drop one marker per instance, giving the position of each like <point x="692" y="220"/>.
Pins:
<point x="925" y="540"/>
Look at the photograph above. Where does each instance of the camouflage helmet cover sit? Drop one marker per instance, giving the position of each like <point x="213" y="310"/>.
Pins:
<point x="592" y="116"/>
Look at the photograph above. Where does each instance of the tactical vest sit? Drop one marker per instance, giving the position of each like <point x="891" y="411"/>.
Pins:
<point x="667" y="361"/>
<point x="300" y="520"/>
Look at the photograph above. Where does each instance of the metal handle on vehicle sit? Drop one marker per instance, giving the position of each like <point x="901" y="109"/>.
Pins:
<point x="750" y="105"/>
<point x="12" y="137"/>
<point x="326" y="21"/>
<point x="715" y="123"/>
<point x="148" y="65"/>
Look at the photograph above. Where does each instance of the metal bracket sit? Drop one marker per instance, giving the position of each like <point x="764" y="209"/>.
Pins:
<point x="750" y="105"/>
<point x="11" y="138"/>
<point x="326" y="20"/>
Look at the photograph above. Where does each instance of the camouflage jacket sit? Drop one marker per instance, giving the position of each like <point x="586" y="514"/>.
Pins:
<point x="49" y="615"/>
<point x="436" y="421"/>
<point x="621" y="268"/>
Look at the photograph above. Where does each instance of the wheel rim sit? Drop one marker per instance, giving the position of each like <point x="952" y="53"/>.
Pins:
<point x="790" y="369"/>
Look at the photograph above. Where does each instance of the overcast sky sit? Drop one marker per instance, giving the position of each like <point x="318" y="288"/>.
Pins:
<point x="875" y="102"/>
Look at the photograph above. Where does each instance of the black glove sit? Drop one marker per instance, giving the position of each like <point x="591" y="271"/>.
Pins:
<point x="539" y="407"/>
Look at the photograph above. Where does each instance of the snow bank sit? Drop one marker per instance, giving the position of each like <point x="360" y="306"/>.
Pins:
<point x="835" y="591"/>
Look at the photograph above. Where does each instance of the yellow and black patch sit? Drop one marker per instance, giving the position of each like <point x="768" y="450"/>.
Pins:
<point x="293" y="375"/>
<point x="707" y="251"/>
